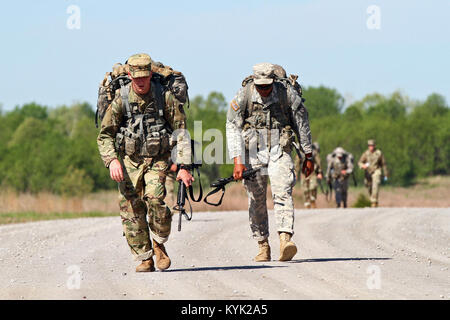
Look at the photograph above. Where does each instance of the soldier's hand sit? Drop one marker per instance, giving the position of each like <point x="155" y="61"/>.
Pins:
<point x="173" y="167"/>
<point x="116" y="171"/>
<point x="308" y="166"/>
<point x="344" y="172"/>
<point x="238" y="171"/>
<point x="185" y="176"/>
<point x="239" y="168"/>
<point x="319" y="176"/>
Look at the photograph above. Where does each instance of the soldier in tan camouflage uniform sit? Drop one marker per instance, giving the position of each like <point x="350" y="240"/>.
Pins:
<point x="372" y="161"/>
<point x="339" y="169"/>
<point x="135" y="143"/>
<point x="310" y="184"/>
<point x="260" y="130"/>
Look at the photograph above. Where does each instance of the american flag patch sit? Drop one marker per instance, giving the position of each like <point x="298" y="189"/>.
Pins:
<point x="234" y="105"/>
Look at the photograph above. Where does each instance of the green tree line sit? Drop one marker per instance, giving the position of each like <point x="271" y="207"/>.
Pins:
<point x="55" y="149"/>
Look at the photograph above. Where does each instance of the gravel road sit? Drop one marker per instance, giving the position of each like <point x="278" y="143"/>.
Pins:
<point x="383" y="253"/>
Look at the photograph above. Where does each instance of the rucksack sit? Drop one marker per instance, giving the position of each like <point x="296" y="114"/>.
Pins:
<point x="280" y="78"/>
<point x="332" y="156"/>
<point x="109" y="87"/>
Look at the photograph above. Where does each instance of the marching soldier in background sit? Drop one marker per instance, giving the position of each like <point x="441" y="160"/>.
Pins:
<point x="135" y="143"/>
<point x="310" y="184"/>
<point x="339" y="168"/>
<point x="264" y="109"/>
<point x="372" y="162"/>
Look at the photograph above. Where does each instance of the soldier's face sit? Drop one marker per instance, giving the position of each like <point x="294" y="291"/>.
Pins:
<point x="371" y="148"/>
<point x="141" y="85"/>
<point x="264" y="90"/>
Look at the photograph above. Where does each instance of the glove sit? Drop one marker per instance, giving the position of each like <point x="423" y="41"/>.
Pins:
<point x="385" y="179"/>
<point x="308" y="167"/>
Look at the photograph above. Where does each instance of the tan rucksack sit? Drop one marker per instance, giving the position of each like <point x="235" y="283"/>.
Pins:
<point x="112" y="82"/>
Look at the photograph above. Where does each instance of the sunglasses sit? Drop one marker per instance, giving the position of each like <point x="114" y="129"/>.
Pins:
<point x="263" y="86"/>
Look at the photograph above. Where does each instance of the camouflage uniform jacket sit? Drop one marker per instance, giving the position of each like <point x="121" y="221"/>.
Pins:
<point x="336" y="165"/>
<point x="373" y="160"/>
<point x="238" y="118"/>
<point x="115" y="117"/>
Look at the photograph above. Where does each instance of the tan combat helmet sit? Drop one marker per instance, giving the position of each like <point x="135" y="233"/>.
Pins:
<point x="371" y="142"/>
<point x="339" y="151"/>
<point x="263" y="73"/>
<point x="140" y="65"/>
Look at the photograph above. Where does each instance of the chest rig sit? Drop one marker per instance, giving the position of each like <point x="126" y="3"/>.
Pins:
<point x="268" y="118"/>
<point x="145" y="132"/>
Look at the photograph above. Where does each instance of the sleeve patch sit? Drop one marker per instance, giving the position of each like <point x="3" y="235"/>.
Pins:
<point x="234" y="105"/>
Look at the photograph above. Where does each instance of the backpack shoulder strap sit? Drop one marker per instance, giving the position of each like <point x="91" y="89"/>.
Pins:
<point x="247" y="103"/>
<point x="159" y="98"/>
<point x="124" y="91"/>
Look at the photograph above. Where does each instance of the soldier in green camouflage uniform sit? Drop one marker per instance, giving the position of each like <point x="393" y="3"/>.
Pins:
<point x="135" y="143"/>
<point x="310" y="184"/>
<point x="259" y="130"/>
<point x="339" y="169"/>
<point x="372" y="162"/>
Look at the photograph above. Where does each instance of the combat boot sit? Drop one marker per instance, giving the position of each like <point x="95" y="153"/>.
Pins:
<point x="313" y="204"/>
<point x="264" y="251"/>
<point x="288" y="249"/>
<point x="146" y="266"/>
<point x="162" y="259"/>
<point x="307" y="205"/>
<point x="374" y="205"/>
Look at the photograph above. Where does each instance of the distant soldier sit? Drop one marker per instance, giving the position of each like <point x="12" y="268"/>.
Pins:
<point x="310" y="184"/>
<point x="264" y="109"/>
<point x="372" y="161"/>
<point x="135" y="142"/>
<point x="339" y="168"/>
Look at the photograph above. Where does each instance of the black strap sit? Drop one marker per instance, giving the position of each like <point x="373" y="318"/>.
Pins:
<point x="96" y="118"/>
<point x="214" y="191"/>
<point x="191" y="190"/>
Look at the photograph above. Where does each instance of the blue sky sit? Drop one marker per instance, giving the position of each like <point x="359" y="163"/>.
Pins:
<point x="215" y="44"/>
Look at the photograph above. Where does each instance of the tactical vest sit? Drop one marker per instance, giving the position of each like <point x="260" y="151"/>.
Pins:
<point x="144" y="133"/>
<point x="338" y="165"/>
<point x="277" y="116"/>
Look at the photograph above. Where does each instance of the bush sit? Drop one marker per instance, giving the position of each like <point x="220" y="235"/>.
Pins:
<point x="362" y="201"/>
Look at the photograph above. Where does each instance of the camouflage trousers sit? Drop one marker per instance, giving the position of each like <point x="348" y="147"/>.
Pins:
<point x="309" y="186"/>
<point x="372" y="182"/>
<point x="141" y="196"/>
<point x="282" y="179"/>
<point x="171" y="196"/>
<point x="340" y="187"/>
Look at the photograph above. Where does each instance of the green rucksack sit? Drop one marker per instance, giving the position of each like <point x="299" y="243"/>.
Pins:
<point x="113" y="81"/>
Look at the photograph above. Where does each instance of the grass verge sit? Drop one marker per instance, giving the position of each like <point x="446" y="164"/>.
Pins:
<point x="6" y="218"/>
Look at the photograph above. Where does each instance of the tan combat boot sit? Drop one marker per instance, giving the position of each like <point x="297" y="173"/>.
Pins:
<point x="146" y="266"/>
<point x="162" y="259"/>
<point x="374" y="205"/>
<point x="264" y="251"/>
<point x="288" y="249"/>
<point x="313" y="205"/>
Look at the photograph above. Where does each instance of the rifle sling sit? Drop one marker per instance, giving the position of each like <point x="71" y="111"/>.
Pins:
<point x="214" y="191"/>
